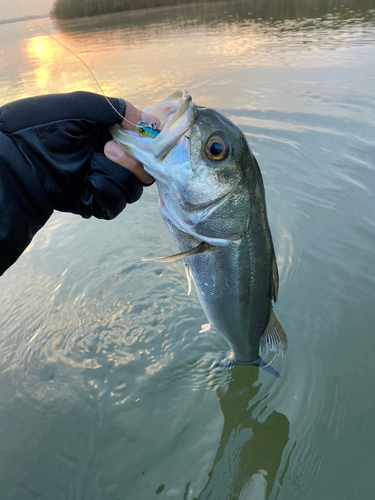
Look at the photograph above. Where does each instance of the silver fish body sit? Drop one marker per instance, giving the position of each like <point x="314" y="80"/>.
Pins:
<point x="211" y="192"/>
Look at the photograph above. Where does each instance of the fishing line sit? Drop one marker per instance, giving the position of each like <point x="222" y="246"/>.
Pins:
<point x="74" y="54"/>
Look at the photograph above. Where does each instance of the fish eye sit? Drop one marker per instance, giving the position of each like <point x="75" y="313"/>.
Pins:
<point x="217" y="147"/>
<point x="141" y="131"/>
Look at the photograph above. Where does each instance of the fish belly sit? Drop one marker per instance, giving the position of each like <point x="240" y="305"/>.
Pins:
<point x="233" y="287"/>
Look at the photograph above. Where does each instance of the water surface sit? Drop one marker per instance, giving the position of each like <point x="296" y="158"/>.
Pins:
<point x="106" y="388"/>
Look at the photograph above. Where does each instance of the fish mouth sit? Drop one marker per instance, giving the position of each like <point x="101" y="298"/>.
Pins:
<point x="176" y="114"/>
<point x="180" y="118"/>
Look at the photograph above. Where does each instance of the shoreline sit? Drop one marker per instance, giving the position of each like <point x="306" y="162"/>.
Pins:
<point x="133" y="7"/>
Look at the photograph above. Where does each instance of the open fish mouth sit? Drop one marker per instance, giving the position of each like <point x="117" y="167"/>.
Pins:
<point x="176" y="113"/>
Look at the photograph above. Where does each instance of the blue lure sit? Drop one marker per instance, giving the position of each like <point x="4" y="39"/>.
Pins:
<point x="145" y="129"/>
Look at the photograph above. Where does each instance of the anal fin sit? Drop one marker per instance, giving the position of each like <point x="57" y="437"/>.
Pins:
<point x="189" y="278"/>
<point x="274" y="337"/>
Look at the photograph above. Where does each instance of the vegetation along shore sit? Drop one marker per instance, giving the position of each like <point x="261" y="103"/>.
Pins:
<point x="67" y="9"/>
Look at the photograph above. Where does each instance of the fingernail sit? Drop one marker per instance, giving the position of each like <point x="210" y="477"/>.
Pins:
<point x="113" y="150"/>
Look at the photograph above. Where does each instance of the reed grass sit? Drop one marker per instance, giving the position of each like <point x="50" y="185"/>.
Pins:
<point x="68" y="9"/>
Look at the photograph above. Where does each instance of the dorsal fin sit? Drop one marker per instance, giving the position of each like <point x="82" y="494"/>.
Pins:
<point x="274" y="337"/>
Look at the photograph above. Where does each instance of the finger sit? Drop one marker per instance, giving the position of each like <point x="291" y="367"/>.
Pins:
<point x="134" y="115"/>
<point x="118" y="155"/>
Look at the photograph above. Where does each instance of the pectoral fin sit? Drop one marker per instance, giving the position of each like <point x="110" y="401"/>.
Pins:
<point x="202" y="247"/>
<point x="274" y="336"/>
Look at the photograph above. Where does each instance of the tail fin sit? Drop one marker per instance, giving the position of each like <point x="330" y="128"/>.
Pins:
<point x="274" y="336"/>
<point x="268" y="368"/>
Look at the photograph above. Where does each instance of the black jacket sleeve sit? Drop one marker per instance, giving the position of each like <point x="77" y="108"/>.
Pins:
<point x="51" y="159"/>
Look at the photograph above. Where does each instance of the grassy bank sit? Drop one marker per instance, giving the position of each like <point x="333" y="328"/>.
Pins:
<point x="68" y="9"/>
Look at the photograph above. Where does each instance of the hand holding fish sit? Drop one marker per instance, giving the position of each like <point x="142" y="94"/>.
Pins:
<point x="118" y="155"/>
<point x="51" y="158"/>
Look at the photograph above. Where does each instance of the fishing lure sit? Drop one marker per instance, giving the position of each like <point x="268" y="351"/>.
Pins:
<point x="145" y="129"/>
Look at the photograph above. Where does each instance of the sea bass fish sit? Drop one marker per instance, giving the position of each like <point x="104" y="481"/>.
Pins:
<point x="213" y="202"/>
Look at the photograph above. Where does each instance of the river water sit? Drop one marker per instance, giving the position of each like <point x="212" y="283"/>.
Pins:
<point x="106" y="391"/>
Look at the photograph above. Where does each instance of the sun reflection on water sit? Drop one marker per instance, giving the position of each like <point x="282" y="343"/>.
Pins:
<point x="42" y="48"/>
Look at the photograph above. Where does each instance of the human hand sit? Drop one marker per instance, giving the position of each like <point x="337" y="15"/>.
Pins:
<point x="117" y="154"/>
<point x="61" y="139"/>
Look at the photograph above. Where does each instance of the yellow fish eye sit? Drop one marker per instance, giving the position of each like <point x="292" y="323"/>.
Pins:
<point x="217" y="147"/>
<point x="141" y="131"/>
